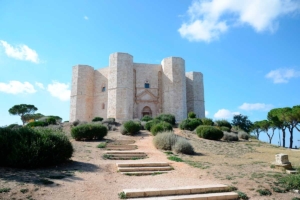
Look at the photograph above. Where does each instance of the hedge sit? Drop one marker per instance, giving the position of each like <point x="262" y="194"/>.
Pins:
<point x="190" y="124"/>
<point x="89" y="132"/>
<point x="161" y="127"/>
<point x="209" y="132"/>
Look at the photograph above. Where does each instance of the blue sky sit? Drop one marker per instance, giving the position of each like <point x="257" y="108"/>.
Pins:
<point x="248" y="51"/>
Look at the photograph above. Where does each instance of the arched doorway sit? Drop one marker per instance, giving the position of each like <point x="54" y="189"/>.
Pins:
<point x="146" y="111"/>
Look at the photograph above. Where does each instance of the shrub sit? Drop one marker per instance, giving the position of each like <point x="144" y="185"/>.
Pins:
<point x="30" y="148"/>
<point x="14" y="126"/>
<point x="209" y="132"/>
<point x="230" y="136"/>
<point x="161" y="127"/>
<point x="192" y="115"/>
<point x="89" y="132"/>
<point x="264" y="192"/>
<point x="243" y="135"/>
<point x="97" y="119"/>
<point x="37" y="123"/>
<point x="50" y="120"/>
<point x="147" y="118"/>
<point x="182" y="145"/>
<point x="149" y="124"/>
<point x="165" y="140"/>
<point x="190" y="124"/>
<point x="131" y="128"/>
<point x="76" y="122"/>
<point x="207" y="121"/>
<point x="290" y="182"/>
<point x="143" y="125"/>
<point x="223" y="123"/>
<point x="224" y="128"/>
<point x="167" y="118"/>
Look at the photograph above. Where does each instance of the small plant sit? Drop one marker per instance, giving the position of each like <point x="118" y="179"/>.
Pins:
<point x="278" y="190"/>
<point x="242" y="195"/>
<point x="167" y="118"/>
<point x="37" y="123"/>
<point x="151" y="123"/>
<point x="224" y="128"/>
<point x="272" y="166"/>
<point x="4" y="190"/>
<point x="147" y="118"/>
<point x="223" y="123"/>
<point x="190" y="124"/>
<point x="89" y="132"/>
<point x="107" y="156"/>
<point x="102" y="145"/>
<point x="161" y="127"/>
<point x="295" y="198"/>
<point x="175" y="158"/>
<point x="207" y="121"/>
<point x="192" y="115"/>
<point x="209" y="132"/>
<point x="264" y="192"/>
<point x="290" y="182"/>
<point x="165" y="140"/>
<point x="97" y="119"/>
<point x="130" y="128"/>
<point x="243" y="135"/>
<point x="45" y="182"/>
<point x="182" y="145"/>
<point x="230" y="136"/>
<point x="24" y="191"/>
<point x="122" y="195"/>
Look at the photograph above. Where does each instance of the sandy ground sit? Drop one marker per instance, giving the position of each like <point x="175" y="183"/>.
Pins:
<point x="89" y="176"/>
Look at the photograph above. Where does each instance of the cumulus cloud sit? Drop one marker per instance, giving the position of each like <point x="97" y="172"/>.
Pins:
<point x="20" y="52"/>
<point x="86" y="18"/>
<point x="256" y="106"/>
<point x="17" y="87"/>
<point x="282" y="75"/>
<point x="59" y="90"/>
<point x="206" y="113"/>
<point x="40" y="85"/>
<point x="225" y="114"/>
<point x="208" y="19"/>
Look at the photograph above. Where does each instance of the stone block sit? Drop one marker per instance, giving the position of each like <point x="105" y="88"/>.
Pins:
<point x="281" y="159"/>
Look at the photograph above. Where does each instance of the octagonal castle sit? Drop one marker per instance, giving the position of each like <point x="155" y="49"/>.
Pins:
<point x="126" y="90"/>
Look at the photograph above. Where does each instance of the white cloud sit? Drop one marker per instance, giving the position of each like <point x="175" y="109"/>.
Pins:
<point x="21" y="52"/>
<point x="86" y="18"/>
<point x="16" y="87"/>
<point x="59" y="90"/>
<point x="40" y="85"/>
<point x="206" y="113"/>
<point x="208" y="19"/>
<point x="225" y="114"/>
<point x="282" y="75"/>
<point x="256" y="106"/>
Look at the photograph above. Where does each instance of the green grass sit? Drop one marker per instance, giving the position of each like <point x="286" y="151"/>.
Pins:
<point x="175" y="158"/>
<point x="197" y="164"/>
<point x="3" y="190"/>
<point x="122" y="195"/>
<point x="102" y="145"/>
<point x="242" y="195"/>
<point x="24" y="190"/>
<point x="264" y="192"/>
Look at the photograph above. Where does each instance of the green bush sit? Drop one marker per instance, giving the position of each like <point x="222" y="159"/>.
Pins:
<point x="190" y="124"/>
<point x="37" y="123"/>
<point x="147" y="118"/>
<point x="167" y="118"/>
<point x="97" y="119"/>
<point x="209" y="132"/>
<point x="243" y="135"/>
<point x="224" y="128"/>
<point x="230" y="136"/>
<point x="264" y="192"/>
<point x="290" y="182"/>
<point x="14" y="126"/>
<point x="50" y="120"/>
<point x="30" y="148"/>
<point x="149" y="124"/>
<point x="182" y="145"/>
<point x="223" y="123"/>
<point x="89" y="132"/>
<point x="131" y="128"/>
<point x="165" y="140"/>
<point x="143" y="125"/>
<point x="161" y="127"/>
<point x="207" y="121"/>
<point x="192" y="115"/>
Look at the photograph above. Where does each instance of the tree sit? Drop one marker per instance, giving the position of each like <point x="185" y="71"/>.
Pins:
<point x="22" y="110"/>
<point x="256" y="129"/>
<point x="265" y="126"/>
<point x="291" y="118"/>
<point x="34" y="117"/>
<point x="242" y="122"/>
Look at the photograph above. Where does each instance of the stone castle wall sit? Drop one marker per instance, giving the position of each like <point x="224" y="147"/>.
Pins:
<point x="118" y="91"/>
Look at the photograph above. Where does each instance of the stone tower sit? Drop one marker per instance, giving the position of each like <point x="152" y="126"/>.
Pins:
<point x="174" y="87"/>
<point x="120" y="86"/>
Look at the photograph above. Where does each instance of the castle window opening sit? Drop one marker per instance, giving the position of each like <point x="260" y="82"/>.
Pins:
<point x="147" y="85"/>
<point x="103" y="89"/>
<point x="103" y="106"/>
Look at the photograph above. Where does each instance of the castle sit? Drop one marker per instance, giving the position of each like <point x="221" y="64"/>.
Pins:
<point x="126" y="90"/>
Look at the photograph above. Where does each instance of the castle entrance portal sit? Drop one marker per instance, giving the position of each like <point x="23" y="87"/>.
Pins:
<point x="146" y="111"/>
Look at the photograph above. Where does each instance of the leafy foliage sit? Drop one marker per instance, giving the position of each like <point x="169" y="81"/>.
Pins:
<point x="290" y="182"/>
<point x="89" y="132"/>
<point x="147" y="118"/>
<point x="243" y="135"/>
<point x="182" y="145"/>
<point x="230" y="136"/>
<point x="22" y="110"/>
<point x="192" y="115"/>
<point x="165" y="140"/>
<point x="161" y="127"/>
<point x="242" y="122"/>
<point x="223" y="122"/>
<point x="190" y="124"/>
<point x="97" y="119"/>
<point x="36" y="124"/>
<point x="209" y="132"/>
<point x="131" y="128"/>
<point x="167" y="118"/>
<point x="31" y="148"/>
<point x="207" y="121"/>
<point x="224" y="128"/>
<point x="149" y="124"/>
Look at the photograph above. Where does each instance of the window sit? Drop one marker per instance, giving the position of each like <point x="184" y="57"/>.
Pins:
<point x="103" y="106"/>
<point x="103" y="89"/>
<point x="147" y="85"/>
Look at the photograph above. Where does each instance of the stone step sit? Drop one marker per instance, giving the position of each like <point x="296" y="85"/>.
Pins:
<point x="122" y="142"/>
<point x="121" y="146"/>
<point x="136" y="169"/>
<point x="132" y="193"/>
<point x="207" y="196"/>
<point x="149" y="164"/>
<point x="144" y="173"/>
<point x="124" y="152"/>
<point x="127" y="155"/>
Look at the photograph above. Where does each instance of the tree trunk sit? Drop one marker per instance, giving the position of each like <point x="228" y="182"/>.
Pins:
<point x="283" y="137"/>
<point x="291" y="137"/>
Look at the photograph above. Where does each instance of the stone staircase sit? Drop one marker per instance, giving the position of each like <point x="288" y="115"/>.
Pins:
<point x="205" y="192"/>
<point x="121" y="145"/>
<point x="125" y="155"/>
<point x="143" y="168"/>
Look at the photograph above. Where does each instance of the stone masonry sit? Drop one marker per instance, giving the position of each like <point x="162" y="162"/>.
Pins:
<point x="126" y="90"/>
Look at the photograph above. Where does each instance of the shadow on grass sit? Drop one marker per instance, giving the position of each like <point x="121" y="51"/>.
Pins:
<point x="47" y="176"/>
